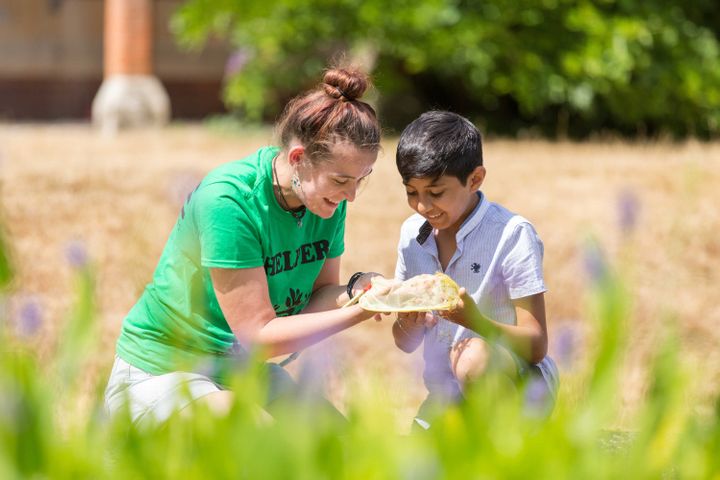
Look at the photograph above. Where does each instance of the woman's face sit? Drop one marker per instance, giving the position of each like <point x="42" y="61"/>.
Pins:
<point x="324" y="184"/>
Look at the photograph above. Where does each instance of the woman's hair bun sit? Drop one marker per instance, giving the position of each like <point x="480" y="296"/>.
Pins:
<point x="331" y="113"/>
<point x="346" y="82"/>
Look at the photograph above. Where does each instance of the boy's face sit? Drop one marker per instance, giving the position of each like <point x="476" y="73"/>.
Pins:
<point x="444" y="202"/>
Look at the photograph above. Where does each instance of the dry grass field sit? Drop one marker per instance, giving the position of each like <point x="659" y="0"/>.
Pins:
<point x="119" y="197"/>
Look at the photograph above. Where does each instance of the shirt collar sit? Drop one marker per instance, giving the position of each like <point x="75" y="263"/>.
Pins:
<point x="424" y="232"/>
<point x="474" y="218"/>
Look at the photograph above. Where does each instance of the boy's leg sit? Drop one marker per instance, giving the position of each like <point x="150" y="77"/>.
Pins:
<point x="541" y="386"/>
<point x="473" y="358"/>
<point x="441" y="397"/>
<point x="432" y="407"/>
<point x="470" y="359"/>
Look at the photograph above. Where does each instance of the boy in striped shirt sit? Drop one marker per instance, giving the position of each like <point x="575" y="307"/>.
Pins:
<point x="494" y="254"/>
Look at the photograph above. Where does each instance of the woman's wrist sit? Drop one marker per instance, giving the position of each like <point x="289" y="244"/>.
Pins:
<point x="361" y="314"/>
<point x="351" y="283"/>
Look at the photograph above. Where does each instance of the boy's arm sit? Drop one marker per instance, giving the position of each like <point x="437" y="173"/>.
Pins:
<point x="528" y="338"/>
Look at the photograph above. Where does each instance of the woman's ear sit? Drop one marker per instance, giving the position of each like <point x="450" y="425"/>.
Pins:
<point x="477" y="177"/>
<point x="295" y="154"/>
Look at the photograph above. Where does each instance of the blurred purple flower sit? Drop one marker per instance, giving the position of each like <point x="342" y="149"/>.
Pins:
<point x="76" y="254"/>
<point x="537" y="397"/>
<point x="595" y="263"/>
<point x="29" y="317"/>
<point x="628" y="210"/>
<point x="236" y="61"/>
<point x="566" y="339"/>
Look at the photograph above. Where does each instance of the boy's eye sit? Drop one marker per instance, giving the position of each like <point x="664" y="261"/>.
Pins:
<point x="410" y="194"/>
<point x="437" y="194"/>
<point x="339" y="182"/>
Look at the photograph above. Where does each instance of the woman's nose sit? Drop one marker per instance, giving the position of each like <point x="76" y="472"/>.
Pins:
<point x="351" y="191"/>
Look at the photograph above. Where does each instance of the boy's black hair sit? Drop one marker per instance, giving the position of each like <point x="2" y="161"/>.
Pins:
<point x="439" y="143"/>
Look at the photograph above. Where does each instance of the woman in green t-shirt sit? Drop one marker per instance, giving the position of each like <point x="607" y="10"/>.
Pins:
<point x="253" y="262"/>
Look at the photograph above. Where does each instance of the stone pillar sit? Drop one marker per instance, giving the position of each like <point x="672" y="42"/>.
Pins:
<point x="130" y="95"/>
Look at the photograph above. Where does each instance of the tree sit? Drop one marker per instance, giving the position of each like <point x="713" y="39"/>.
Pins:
<point x="559" y="66"/>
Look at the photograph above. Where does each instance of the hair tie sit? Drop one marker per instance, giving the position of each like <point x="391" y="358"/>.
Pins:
<point x="344" y="94"/>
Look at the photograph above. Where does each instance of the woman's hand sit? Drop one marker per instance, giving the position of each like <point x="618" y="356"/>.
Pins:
<point x="364" y="282"/>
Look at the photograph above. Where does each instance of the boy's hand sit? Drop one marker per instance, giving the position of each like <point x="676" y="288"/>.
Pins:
<point x="409" y="329"/>
<point x="466" y="314"/>
<point x="414" y="320"/>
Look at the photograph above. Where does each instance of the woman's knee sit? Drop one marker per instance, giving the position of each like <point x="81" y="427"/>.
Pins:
<point x="469" y="359"/>
<point x="219" y="403"/>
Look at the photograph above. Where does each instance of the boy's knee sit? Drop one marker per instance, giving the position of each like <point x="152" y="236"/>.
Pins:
<point x="469" y="359"/>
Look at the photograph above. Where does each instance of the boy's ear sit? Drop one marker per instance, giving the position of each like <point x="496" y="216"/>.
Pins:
<point x="476" y="177"/>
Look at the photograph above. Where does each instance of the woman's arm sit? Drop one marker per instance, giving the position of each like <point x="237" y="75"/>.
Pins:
<point x="327" y="294"/>
<point x="243" y="297"/>
<point x="528" y="338"/>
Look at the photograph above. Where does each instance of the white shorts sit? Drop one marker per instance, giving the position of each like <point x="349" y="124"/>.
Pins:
<point x="153" y="398"/>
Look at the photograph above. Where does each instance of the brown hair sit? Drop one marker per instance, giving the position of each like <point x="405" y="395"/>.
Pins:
<point x="331" y="113"/>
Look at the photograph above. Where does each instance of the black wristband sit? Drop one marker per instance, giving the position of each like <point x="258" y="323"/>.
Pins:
<point x="351" y="283"/>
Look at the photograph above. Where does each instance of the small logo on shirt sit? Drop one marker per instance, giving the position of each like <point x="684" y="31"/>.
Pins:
<point x="294" y="299"/>
<point x="475" y="267"/>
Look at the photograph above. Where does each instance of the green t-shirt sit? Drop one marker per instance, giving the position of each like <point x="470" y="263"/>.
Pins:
<point x="231" y="220"/>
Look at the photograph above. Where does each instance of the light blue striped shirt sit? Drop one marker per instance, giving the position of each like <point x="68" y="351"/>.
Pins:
<point x="498" y="258"/>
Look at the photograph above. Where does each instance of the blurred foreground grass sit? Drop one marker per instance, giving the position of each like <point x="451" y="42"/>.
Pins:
<point x="49" y="430"/>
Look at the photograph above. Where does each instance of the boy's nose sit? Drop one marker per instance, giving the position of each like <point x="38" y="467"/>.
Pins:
<point x="423" y="206"/>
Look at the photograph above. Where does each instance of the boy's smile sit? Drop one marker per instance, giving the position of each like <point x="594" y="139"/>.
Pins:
<point x="444" y="201"/>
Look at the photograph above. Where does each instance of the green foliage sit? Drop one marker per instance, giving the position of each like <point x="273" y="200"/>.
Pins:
<point x="6" y="272"/>
<point x="498" y="433"/>
<point x="556" y="66"/>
